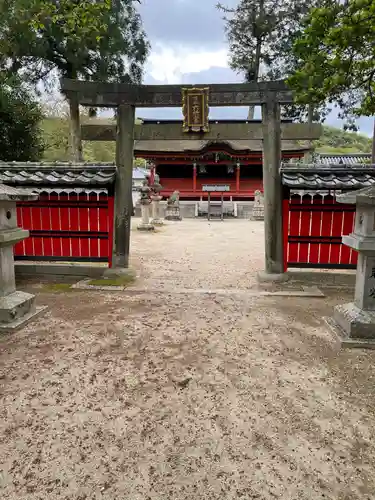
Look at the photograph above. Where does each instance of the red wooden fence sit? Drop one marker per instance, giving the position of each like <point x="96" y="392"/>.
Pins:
<point x="67" y="227"/>
<point x="313" y="227"/>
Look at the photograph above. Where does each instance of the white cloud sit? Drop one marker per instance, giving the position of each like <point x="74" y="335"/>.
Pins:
<point x="168" y="65"/>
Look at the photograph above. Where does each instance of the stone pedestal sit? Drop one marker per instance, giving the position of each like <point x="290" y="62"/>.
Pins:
<point x="16" y="308"/>
<point x="173" y="213"/>
<point x="145" y="225"/>
<point x="357" y="319"/>
<point x="156" y="220"/>
<point x="258" y="207"/>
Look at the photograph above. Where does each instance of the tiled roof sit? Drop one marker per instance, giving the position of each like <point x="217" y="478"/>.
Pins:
<point x="313" y="176"/>
<point x="347" y="159"/>
<point x="57" y="174"/>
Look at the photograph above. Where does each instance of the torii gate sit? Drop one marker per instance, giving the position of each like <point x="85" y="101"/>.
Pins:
<point x="126" y="97"/>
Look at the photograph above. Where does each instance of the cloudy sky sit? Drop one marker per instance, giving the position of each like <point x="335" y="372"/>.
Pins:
<point x="189" y="46"/>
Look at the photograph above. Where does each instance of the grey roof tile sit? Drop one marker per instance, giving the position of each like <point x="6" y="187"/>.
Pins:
<point x="347" y="159"/>
<point x="323" y="176"/>
<point x="58" y="173"/>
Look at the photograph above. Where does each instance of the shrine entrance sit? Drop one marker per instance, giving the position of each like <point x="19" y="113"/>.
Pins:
<point x="195" y="103"/>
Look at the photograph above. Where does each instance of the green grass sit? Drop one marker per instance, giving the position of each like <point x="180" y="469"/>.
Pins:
<point x="121" y="281"/>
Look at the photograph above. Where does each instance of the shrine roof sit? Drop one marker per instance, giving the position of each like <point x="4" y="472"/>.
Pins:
<point x="347" y="159"/>
<point x="57" y="174"/>
<point x="197" y="146"/>
<point x="327" y="176"/>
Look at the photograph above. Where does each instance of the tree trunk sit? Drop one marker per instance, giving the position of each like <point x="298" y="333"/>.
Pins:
<point x="373" y="145"/>
<point x="75" y="131"/>
<point x="310" y="118"/>
<point x="250" y="115"/>
<point x="258" y="53"/>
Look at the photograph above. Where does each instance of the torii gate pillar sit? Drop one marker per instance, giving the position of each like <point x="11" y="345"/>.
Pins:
<point x="123" y="189"/>
<point x="272" y="187"/>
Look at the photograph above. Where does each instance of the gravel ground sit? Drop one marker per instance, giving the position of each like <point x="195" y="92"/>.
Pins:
<point x="200" y="254"/>
<point x="160" y="396"/>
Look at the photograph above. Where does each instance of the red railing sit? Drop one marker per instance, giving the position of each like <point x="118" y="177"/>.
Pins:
<point x="67" y="227"/>
<point x="313" y="227"/>
<point x="186" y="187"/>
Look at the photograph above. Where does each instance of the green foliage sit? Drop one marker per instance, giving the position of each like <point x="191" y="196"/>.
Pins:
<point x="40" y="35"/>
<point x="73" y="17"/>
<point x="334" y="140"/>
<point x="336" y="57"/>
<point x="260" y="35"/>
<point x="56" y="138"/>
<point x="20" y="115"/>
<point x="87" y="38"/>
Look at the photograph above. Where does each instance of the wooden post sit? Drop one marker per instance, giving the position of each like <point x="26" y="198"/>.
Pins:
<point x="273" y="199"/>
<point x="238" y="170"/>
<point x="194" y="177"/>
<point x="123" y="189"/>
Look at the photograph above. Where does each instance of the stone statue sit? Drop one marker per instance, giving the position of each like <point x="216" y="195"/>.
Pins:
<point x="258" y="207"/>
<point x="174" y="199"/>
<point x="258" y="198"/>
<point x="173" y="207"/>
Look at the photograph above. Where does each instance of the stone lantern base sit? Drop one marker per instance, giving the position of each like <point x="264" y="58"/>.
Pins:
<point x="354" y="322"/>
<point x="156" y="220"/>
<point x="16" y="310"/>
<point x="145" y="225"/>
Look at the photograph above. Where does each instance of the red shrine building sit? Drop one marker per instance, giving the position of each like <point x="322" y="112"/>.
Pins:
<point x="187" y="165"/>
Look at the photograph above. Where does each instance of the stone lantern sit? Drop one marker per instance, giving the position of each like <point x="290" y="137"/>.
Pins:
<point x="145" y="202"/>
<point x="357" y="319"/>
<point x="156" y="199"/>
<point x="15" y="307"/>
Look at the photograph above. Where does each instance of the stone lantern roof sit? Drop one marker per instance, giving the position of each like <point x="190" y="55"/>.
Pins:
<point x="9" y="193"/>
<point x="365" y="196"/>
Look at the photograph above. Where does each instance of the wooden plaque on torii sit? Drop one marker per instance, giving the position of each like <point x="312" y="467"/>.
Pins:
<point x="195" y="109"/>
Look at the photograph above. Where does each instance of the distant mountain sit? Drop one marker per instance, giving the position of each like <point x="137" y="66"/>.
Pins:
<point x="335" y="140"/>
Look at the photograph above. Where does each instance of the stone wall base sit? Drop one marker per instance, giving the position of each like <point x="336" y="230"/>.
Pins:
<point x="188" y="210"/>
